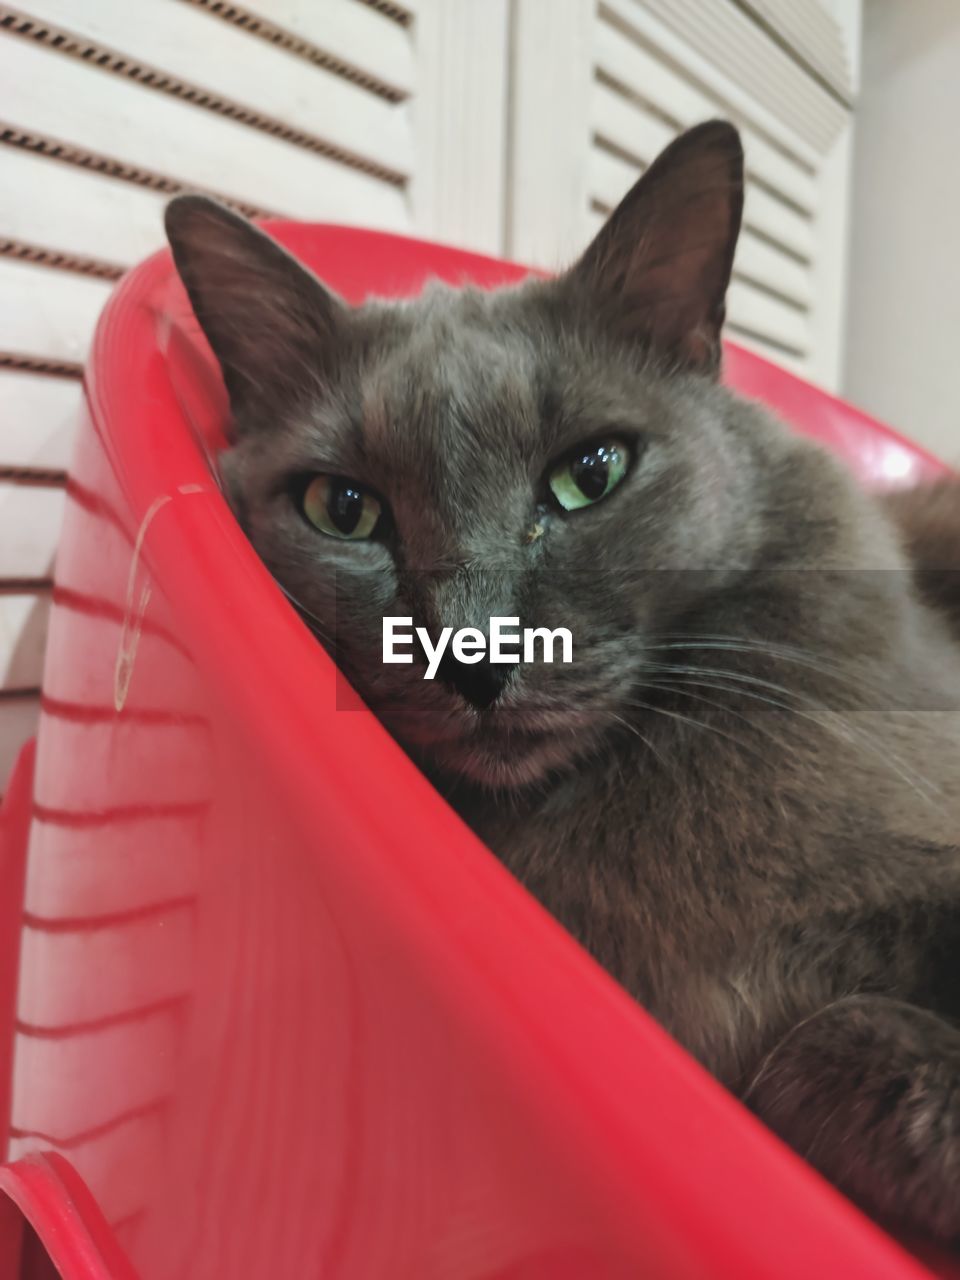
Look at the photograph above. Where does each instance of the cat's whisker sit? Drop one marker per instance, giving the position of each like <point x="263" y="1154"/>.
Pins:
<point x="841" y="728"/>
<point x="632" y="728"/>
<point x="685" y="691"/>
<point x="691" y="720"/>
<point x="739" y="677"/>
<point x="843" y="681"/>
<point x="772" y="649"/>
<point x="828" y="719"/>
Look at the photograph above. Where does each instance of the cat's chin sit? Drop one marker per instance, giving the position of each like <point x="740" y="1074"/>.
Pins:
<point x="506" y="764"/>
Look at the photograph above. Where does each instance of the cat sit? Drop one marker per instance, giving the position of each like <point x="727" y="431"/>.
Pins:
<point x="743" y="794"/>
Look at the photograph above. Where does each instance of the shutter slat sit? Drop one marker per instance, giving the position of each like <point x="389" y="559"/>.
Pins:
<point x="353" y="33"/>
<point x="48" y="313"/>
<point x="636" y="132"/>
<point x="753" y="311"/>
<point x="37" y="419"/>
<point x="639" y="69"/>
<point x="814" y="33"/>
<point x="30" y="522"/>
<point x="768" y="215"/>
<point x="77" y="211"/>
<point x="639" y="133"/>
<point x="775" y="270"/>
<point x="722" y="33"/>
<point x="664" y="88"/>
<point x="140" y="127"/>
<point x="246" y="71"/>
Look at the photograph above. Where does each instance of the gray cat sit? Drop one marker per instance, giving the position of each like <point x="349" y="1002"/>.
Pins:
<point x="742" y="796"/>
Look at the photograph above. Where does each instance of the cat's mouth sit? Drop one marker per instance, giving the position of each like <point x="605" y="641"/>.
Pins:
<point x="503" y="748"/>
<point x="507" y="758"/>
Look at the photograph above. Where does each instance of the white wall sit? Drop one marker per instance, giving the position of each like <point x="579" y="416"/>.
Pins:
<point x="903" y="333"/>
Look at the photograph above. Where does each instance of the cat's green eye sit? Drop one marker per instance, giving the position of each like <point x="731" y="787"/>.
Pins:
<point x="341" y="508"/>
<point x="589" y="474"/>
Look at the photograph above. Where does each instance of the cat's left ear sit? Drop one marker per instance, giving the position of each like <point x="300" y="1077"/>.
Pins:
<point x="270" y="322"/>
<point x="658" y="269"/>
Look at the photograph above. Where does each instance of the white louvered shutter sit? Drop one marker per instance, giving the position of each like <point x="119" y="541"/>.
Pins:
<point x="390" y="115"/>
<point x="777" y="68"/>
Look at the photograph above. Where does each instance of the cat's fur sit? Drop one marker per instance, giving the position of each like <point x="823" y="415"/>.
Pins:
<point x="743" y="796"/>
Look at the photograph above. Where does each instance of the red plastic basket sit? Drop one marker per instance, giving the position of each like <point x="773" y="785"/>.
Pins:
<point x="278" y="1013"/>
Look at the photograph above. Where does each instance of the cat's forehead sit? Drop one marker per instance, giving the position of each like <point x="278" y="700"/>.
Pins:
<point x="451" y="367"/>
<point x="450" y="342"/>
<point x="499" y="377"/>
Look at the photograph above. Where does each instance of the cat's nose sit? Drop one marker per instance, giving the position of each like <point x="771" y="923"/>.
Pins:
<point x="480" y="683"/>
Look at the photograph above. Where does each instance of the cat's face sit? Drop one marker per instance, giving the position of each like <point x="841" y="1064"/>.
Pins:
<point x="459" y="416"/>
<point x="556" y="452"/>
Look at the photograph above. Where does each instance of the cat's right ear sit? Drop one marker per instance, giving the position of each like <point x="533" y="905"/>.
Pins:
<point x="269" y="321"/>
<point x="657" y="271"/>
